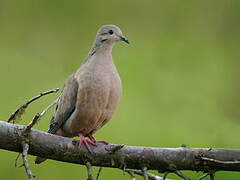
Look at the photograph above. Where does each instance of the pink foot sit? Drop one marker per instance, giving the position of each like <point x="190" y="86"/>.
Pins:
<point x="94" y="140"/>
<point x="85" y="142"/>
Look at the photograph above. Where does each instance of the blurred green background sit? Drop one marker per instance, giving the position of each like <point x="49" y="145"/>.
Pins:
<point x="180" y="73"/>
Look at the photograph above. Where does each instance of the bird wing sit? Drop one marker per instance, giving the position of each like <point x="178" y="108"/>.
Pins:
<point x="66" y="104"/>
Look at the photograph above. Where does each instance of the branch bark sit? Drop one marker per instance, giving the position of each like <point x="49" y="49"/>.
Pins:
<point x="133" y="157"/>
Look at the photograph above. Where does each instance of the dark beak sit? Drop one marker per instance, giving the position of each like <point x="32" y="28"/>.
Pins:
<point x="122" y="38"/>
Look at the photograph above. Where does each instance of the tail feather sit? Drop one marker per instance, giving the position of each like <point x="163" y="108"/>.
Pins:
<point x="51" y="130"/>
<point x="54" y="129"/>
<point x="39" y="160"/>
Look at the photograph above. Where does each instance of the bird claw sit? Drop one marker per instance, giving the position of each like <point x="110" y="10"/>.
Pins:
<point x="93" y="139"/>
<point x="103" y="142"/>
<point x="86" y="144"/>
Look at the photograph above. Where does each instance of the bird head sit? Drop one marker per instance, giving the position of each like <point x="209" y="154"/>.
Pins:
<point x="110" y="34"/>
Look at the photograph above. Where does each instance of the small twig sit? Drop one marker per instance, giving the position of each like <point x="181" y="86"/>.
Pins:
<point x="114" y="148"/>
<point x="16" y="115"/>
<point x="180" y="174"/>
<point x="98" y="173"/>
<point x="131" y="173"/>
<point x="219" y="161"/>
<point x="38" y="116"/>
<point x="25" y="147"/>
<point x="89" y="171"/>
<point x="203" y="176"/>
<point x="212" y="176"/>
<point x="16" y="160"/>
<point x="150" y="176"/>
<point x="165" y="175"/>
<point x="145" y="173"/>
<point x="32" y="123"/>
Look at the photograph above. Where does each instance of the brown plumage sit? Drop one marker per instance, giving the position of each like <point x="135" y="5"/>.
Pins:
<point x="90" y="95"/>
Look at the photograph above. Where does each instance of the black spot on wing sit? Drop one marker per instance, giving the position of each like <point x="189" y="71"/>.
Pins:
<point x="103" y="40"/>
<point x="53" y="128"/>
<point x="56" y="126"/>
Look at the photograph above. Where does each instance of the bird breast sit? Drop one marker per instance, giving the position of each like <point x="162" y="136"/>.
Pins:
<point x="98" y="96"/>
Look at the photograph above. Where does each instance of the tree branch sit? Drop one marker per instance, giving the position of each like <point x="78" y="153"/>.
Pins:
<point x="16" y="115"/>
<point x="98" y="173"/>
<point x="25" y="161"/>
<point x="89" y="171"/>
<point x="162" y="159"/>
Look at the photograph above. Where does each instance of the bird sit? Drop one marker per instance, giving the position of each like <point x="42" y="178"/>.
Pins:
<point x="91" y="95"/>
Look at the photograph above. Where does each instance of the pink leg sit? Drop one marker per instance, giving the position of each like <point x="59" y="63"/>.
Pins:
<point x="94" y="140"/>
<point x="85" y="142"/>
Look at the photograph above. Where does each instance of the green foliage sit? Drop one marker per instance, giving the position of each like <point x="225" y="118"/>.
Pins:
<point x="180" y="73"/>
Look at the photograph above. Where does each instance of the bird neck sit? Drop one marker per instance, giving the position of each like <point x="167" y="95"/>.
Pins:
<point x="99" y="47"/>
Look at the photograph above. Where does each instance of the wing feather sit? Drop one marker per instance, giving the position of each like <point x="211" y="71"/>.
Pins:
<point x="66" y="104"/>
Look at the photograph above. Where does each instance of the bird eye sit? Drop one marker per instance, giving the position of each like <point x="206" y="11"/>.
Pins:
<point x="110" y="32"/>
